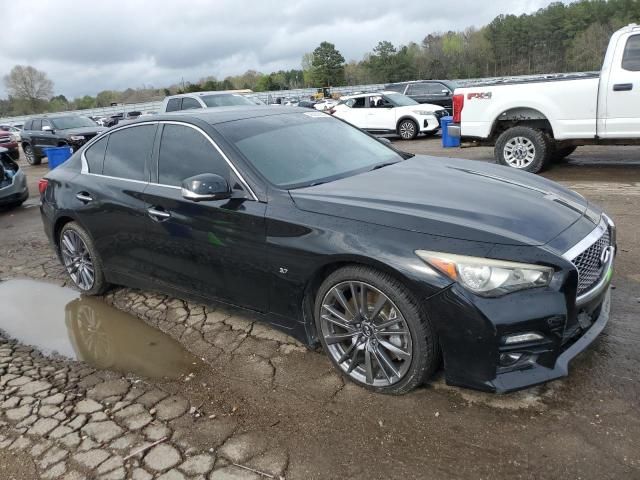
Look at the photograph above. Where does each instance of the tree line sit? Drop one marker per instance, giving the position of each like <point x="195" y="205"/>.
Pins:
<point x="557" y="38"/>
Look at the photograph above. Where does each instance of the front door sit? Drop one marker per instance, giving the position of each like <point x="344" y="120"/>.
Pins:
<point x="209" y="248"/>
<point x="381" y="114"/>
<point x="623" y="90"/>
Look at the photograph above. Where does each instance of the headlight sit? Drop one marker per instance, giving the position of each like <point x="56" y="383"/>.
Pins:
<point x="425" y="112"/>
<point x="76" y="138"/>
<point x="485" y="276"/>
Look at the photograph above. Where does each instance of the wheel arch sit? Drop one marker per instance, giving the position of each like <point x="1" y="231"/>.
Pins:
<point x="407" y="117"/>
<point x="521" y="116"/>
<point x="323" y="271"/>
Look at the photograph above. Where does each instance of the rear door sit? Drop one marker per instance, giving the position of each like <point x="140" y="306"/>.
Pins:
<point x="208" y="248"/>
<point x="36" y="136"/>
<point x="623" y="90"/>
<point x="354" y="111"/>
<point x="48" y="137"/>
<point x="381" y="114"/>
<point x="110" y="203"/>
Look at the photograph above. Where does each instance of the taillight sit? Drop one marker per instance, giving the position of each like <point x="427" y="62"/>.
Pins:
<point x="331" y="111"/>
<point x="42" y="185"/>
<point x="458" y="105"/>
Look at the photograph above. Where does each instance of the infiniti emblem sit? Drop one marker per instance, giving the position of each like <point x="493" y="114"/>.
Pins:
<point x="604" y="256"/>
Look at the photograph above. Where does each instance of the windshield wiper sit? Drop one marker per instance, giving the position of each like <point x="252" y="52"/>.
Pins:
<point x="381" y="165"/>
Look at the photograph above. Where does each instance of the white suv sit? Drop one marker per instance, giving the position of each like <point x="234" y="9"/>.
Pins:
<point x="191" y="101"/>
<point x="389" y="112"/>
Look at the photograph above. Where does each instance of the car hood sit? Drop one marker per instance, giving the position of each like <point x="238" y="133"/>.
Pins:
<point x="83" y="130"/>
<point x="453" y="198"/>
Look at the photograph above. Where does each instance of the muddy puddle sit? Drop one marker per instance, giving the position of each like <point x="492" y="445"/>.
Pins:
<point x="59" y="320"/>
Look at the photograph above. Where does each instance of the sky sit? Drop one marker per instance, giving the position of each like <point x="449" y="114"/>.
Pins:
<point x="87" y="47"/>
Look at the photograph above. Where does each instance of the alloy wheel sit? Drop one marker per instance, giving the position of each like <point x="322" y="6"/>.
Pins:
<point x="77" y="260"/>
<point x="519" y="152"/>
<point x="407" y="130"/>
<point x="366" y="334"/>
<point x="28" y="152"/>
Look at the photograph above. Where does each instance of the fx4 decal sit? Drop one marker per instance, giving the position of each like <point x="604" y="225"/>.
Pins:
<point x="479" y="95"/>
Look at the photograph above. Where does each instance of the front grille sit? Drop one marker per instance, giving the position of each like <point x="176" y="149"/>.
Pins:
<point x="589" y="264"/>
<point x="5" y="139"/>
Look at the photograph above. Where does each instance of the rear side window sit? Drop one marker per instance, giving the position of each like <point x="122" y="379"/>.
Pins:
<point x="358" y="102"/>
<point x="185" y="152"/>
<point x="127" y="152"/>
<point x="189" y="103"/>
<point x="27" y="126"/>
<point x="95" y="155"/>
<point x="631" y="55"/>
<point x="174" y="104"/>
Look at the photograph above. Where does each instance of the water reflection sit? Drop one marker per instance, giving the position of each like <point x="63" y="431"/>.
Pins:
<point x="56" y="319"/>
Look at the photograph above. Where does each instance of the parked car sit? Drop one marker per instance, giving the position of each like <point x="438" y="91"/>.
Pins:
<point x="56" y="131"/>
<point x="9" y="142"/>
<point x="532" y="123"/>
<point x="389" y="112"/>
<point x="194" y="101"/>
<point x="325" y="104"/>
<point x="434" y="92"/>
<point x="113" y="120"/>
<point x="13" y="182"/>
<point x="388" y="260"/>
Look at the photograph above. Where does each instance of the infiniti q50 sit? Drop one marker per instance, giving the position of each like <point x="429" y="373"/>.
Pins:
<point x="396" y="264"/>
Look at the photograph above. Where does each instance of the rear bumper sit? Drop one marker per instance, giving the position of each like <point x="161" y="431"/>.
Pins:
<point x="453" y="129"/>
<point x="13" y="150"/>
<point x="11" y="197"/>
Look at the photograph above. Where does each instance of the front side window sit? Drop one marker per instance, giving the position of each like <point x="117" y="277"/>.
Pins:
<point x="36" y="124"/>
<point x="45" y="123"/>
<point x="127" y="152"/>
<point x="290" y="150"/>
<point x="95" y="155"/>
<point x="184" y="153"/>
<point x="173" y="105"/>
<point x="631" y="55"/>
<point x="399" y="100"/>
<point x="189" y="103"/>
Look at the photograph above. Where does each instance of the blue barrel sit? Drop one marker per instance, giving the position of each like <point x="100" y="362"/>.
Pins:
<point x="57" y="155"/>
<point x="447" y="140"/>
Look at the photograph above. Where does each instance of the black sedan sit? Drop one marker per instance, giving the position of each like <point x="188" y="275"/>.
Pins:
<point x="393" y="262"/>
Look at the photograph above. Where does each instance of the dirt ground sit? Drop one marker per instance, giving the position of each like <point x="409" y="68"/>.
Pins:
<point x="260" y="401"/>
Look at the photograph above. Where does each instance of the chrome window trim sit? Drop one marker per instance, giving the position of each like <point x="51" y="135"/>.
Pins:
<point x="586" y="242"/>
<point x="116" y="178"/>
<point x="85" y="165"/>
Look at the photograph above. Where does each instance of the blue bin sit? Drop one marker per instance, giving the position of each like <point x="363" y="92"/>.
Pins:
<point x="57" y="155"/>
<point x="447" y="140"/>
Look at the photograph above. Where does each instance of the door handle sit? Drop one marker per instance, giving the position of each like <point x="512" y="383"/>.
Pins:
<point x="158" y="214"/>
<point x="84" y="197"/>
<point x="622" y="87"/>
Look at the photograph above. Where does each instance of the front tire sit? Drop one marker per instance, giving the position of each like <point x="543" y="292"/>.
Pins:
<point x="81" y="260"/>
<point x="524" y="148"/>
<point x="374" y="330"/>
<point x="408" y="129"/>
<point x="30" y="154"/>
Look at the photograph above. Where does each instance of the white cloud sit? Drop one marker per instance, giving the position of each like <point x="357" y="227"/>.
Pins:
<point x="92" y="46"/>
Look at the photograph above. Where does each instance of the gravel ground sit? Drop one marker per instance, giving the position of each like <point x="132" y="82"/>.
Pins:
<point x="260" y="405"/>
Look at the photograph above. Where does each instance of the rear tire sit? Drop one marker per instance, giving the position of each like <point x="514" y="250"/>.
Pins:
<point x="391" y="348"/>
<point x="408" y="129"/>
<point x="30" y="154"/>
<point x="523" y="148"/>
<point x="81" y="260"/>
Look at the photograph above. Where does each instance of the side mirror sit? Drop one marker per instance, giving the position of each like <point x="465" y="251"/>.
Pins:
<point x="206" y="186"/>
<point x="446" y="92"/>
<point x="47" y="128"/>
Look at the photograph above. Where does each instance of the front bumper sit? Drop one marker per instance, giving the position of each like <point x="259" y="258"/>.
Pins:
<point x="429" y="123"/>
<point x="472" y="330"/>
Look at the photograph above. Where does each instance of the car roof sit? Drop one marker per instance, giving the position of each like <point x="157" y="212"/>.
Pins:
<point x="210" y="92"/>
<point x="216" y="115"/>
<point x="368" y="94"/>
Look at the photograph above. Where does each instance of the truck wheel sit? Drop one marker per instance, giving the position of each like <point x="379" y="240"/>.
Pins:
<point x="408" y="129"/>
<point x="30" y="154"/>
<point x="524" y="148"/>
<point x="561" y="153"/>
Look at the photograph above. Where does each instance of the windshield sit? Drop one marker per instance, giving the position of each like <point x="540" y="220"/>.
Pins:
<point x="303" y="149"/>
<point x="225" y="100"/>
<point x="65" y="123"/>
<point x="400" y="100"/>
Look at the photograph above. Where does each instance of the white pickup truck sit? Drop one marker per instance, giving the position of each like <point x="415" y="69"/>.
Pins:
<point x="534" y="122"/>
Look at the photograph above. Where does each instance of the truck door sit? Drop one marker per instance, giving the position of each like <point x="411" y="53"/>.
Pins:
<point x="622" y="116"/>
